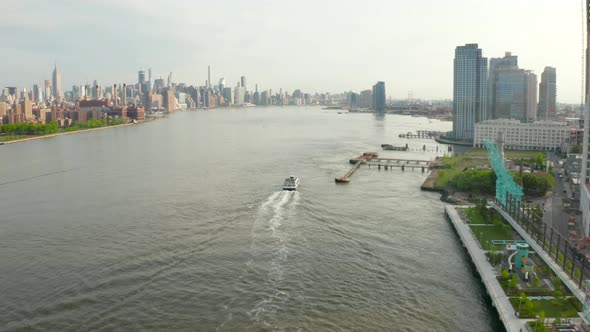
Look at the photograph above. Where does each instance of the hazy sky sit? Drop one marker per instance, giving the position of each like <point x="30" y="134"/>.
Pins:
<point x="317" y="46"/>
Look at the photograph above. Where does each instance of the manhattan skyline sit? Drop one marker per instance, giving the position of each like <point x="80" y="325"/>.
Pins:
<point x="317" y="47"/>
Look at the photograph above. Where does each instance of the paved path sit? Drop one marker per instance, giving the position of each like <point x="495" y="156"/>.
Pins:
<point x="572" y="285"/>
<point x="487" y="273"/>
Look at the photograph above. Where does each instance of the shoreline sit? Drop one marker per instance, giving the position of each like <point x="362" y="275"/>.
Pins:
<point x="21" y="140"/>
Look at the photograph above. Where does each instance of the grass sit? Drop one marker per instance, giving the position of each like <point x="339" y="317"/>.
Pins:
<point x="12" y="137"/>
<point x="509" y="154"/>
<point x="560" y="307"/>
<point x="488" y="233"/>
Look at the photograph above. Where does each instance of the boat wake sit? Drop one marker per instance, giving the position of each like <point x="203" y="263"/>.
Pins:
<point x="273" y="232"/>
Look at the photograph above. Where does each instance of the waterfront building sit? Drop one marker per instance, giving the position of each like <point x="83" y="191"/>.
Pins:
<point x="56" y="77"/>
<point x="239" y="95"/>
<point x="547" y="93"/>
<point x="366" y="98"/>
<point x="469" y="90"/>
<point x="507" y="61"/>
<point x="378" y="94"/>
<point x="539" y="135"/>
<point x="227" y="95"/>
<point x="169" y="99"/>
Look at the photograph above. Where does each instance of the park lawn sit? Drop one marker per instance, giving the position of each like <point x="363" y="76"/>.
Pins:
<point x="474" y="217"/>
<point x="8" y="138"/>
<point x="560" y="307"/>
<point x="485" y="234"/>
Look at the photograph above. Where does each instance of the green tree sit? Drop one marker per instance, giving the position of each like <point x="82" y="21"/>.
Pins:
<point x="505" y="275"/>
<point x="540" y="160"/>
<point x="514" y="281"/>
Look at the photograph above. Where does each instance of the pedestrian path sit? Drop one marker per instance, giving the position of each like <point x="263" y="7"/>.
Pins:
<point x="486" y="272"/>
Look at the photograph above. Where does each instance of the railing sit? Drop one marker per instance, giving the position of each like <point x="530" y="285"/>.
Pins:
<point x="555" y="244"/>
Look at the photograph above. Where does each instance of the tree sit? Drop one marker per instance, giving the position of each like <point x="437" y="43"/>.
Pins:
<point x="514" y="281"/>
<point x="540" y="160"/>
<point x="505" y="275"/>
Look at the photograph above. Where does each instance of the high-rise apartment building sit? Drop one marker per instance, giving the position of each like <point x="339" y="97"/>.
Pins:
<point x="366" y="98"/>
<point x="547" y="93"/>
<point x="507" y="61"/>
<point x="469" y="90"/>
<point x="515" y="94"/>
<point x="378" y="103"/>
<point x="57" y="93"/>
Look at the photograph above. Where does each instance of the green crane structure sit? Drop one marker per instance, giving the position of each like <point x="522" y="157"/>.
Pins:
<point x="505" y="185"/>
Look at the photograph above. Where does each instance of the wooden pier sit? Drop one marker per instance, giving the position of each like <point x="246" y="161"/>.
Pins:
<point x="372" y="159"/>
<point x="389" y="163"/>
<point x="427" y="134"/>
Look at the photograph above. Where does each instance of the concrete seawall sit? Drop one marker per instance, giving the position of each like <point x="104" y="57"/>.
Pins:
<point x="486" y="272"/>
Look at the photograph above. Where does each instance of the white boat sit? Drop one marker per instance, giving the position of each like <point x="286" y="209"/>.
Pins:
<point x="291" y="183"/>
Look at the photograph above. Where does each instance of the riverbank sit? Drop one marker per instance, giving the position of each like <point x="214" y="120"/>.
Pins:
<point x="486" y="272"/>
<point x="20" y="140"/>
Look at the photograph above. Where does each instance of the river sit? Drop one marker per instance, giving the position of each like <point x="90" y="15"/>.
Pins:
<point x="180" y="224"/>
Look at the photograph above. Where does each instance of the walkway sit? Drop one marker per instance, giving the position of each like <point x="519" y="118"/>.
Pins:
<point x="571" y="285"/>
<point x="487" y="273"/>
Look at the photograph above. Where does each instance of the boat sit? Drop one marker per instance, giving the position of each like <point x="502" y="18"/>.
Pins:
<point x="342" y="179"/>
<point x="291" y="183"/>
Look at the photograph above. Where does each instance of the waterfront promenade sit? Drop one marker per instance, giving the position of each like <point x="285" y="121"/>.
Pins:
<point x="571" y="284"/>
<point x="486" y="272"/>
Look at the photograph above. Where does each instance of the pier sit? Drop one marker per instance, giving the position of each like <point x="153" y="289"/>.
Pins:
<point x="394" y="148"/>
<point x="373" y="159"/>
<point x="424" y="134"/>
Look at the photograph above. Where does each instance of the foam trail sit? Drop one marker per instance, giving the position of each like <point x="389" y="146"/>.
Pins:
<point x="278" y="210"/>
<point x="269" y="201"/>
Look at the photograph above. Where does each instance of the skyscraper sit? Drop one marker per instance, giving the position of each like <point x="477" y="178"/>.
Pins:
<point x="209" y="85"/>
<point x="141" y="76"/>
<point x="507" y="61"/>
<point x="469" y="90"/>
<point x="243" y="81"/>
<point x="378" y="103"/>
<point x="57" y="93"/>
<point x="36" y="93"/>
<point x="547" y="93"/>
<point x="515" y="94"/>
<point x="47" y="90"/>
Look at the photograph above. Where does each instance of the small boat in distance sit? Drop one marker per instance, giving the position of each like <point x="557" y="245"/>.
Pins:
<point x="291" y="183"/>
